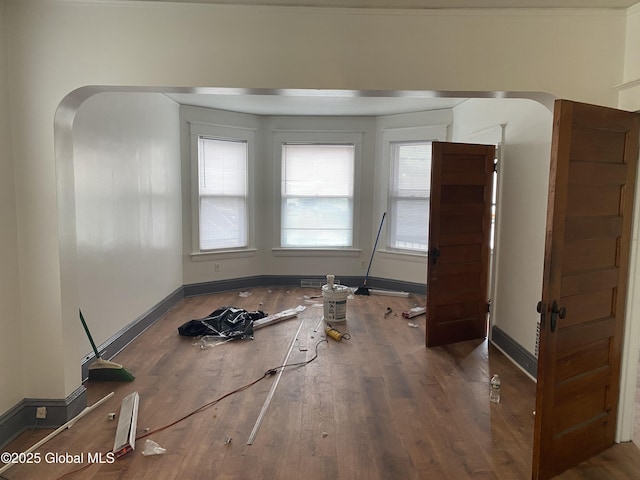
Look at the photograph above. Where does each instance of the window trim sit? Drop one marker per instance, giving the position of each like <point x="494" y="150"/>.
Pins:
<point x="394" y="199"/>
<point x="228" y="133"/>
<point x="391" y="136"/>
<point x="342" y="137"/>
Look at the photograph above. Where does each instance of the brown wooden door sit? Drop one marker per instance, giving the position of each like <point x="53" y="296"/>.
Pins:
<point x="591" y="188"/>
<point x="459" y="229"/>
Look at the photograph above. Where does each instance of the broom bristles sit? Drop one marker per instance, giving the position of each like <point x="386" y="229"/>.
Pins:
<point x="105" y="370"/>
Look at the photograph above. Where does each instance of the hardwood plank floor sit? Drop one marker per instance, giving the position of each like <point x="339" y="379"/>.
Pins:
<point x="377" y="406"/>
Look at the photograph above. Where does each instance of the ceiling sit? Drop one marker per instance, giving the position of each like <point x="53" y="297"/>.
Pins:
<point x="427" y="4"/>
<point x="313" y="104"/>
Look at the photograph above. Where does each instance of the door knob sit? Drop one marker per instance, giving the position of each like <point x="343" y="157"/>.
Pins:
<point x="435" y="253"/>
<point x="556" y="312"/>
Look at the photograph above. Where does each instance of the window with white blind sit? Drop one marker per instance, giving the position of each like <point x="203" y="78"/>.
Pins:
<point x="317" y="195"/>
<point x="409" y="191"/>
<point x="222" y="193"/>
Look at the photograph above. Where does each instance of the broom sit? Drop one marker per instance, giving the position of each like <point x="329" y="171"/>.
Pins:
<point x="363" y="290"/>
<point x="104" y="370"/>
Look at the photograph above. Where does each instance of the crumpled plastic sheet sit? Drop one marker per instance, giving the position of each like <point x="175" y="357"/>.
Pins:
<point x="152" y="448"/>
<point x="223" y="323"/>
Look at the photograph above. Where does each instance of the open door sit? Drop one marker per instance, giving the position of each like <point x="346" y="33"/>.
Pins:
<point x="591" y="190"/>
<point x="459" y="231"/>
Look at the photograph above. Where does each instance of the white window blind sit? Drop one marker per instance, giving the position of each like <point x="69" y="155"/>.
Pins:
<point x="409" y="195"/>
<point x="317" y="195"/>
<point x="222" y="182"/>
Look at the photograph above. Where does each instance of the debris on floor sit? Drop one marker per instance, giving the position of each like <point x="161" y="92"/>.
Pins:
<point x="58" y="430"/>
<point x="414" y="312"/>
<point x="125" y="439"/>
<point x="152" y="448"/>
<point x="224" y="322"/>
<point x="210" y="341"/>
<point x="389" y="293"/>
<point x="336" y="334"/>
<point x="278" y="317"/>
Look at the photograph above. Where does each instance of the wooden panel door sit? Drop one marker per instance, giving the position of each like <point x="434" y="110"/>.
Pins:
<point x="459" y="230"/>
<point x="591" y="190"/>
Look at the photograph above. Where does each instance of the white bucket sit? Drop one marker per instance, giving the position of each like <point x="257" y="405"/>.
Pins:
<point x="335" y="303"/>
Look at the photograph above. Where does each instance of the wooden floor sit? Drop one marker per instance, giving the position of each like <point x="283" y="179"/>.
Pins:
<point x="378" y="406"/>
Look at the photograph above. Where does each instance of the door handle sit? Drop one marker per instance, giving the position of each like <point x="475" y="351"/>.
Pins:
<point x="435" y="253"/>
<point x="556" y="312"/>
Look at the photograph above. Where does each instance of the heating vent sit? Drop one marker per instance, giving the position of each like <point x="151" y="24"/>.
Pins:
<point x="315" y="282"/>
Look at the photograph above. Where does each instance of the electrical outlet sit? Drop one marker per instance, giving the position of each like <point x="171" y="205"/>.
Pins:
<point x="216" y="267"/>
<point x="41" y="412"/>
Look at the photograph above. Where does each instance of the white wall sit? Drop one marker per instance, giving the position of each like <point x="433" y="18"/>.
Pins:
<point x="11" y="384"/>
<point x="128" y="208"/>
<point x="522" y="206"/>
<point x="630" y="83"/>
<point x="57" y="47"/>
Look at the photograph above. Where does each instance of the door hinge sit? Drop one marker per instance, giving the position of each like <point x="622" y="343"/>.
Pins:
<point x="489" y="306"/>
<point x="495" y="166"/>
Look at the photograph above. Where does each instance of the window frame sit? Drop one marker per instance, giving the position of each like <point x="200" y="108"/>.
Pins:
<point x="354" y="138"/>
<point x="392" y="197"/>
<point x="391" y="136"/>
<point x="224" y="133"/>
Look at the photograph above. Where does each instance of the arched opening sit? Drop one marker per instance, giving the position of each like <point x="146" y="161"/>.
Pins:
<point x="328" y="103"/>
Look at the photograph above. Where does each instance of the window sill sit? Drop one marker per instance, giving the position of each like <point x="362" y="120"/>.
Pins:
<point x="222" y="254"/>
<point x="315" y="252"/>
<point x="403" y="256"/>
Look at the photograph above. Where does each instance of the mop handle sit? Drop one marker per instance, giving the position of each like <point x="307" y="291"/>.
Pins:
<point x="375" y="245"/>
